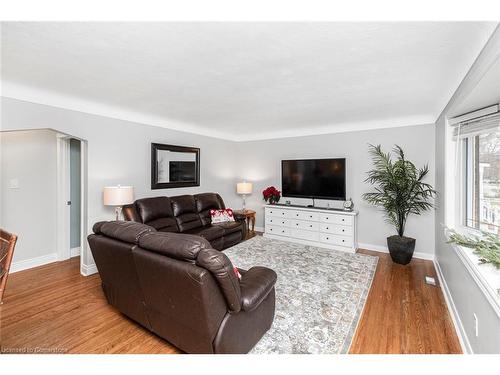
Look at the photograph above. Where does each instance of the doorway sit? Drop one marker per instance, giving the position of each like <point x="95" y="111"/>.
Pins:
<point x="71" y="199"/>
<point x="75" y="196"/>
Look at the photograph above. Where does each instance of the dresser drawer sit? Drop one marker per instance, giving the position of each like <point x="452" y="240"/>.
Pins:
<point x="336" y="240"/>
<point x="276" y="212"/>
<point x="336" y="229"/>
<point x="304" y="234"/>
<point x="303" y="215"/>
<point x="304" y="225"/>
<point x="271" y="220"/>
<point x="275" y="229"/>
<point x="336" y="219"/>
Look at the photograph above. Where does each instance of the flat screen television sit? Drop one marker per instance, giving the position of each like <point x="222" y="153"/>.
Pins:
<point x="313" y="178"/>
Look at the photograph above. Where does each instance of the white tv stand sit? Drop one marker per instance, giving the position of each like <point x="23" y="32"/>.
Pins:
<point x="321" y="227"/>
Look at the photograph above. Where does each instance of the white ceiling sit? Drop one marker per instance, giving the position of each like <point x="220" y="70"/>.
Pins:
<point x="244" y="81"/>
<point x="484" y="94"/>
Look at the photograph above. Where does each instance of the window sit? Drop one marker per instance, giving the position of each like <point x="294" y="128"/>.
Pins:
<point x="477" y="190"/>
<point x="482" y="181"/>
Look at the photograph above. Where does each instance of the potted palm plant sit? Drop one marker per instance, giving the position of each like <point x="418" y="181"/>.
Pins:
<point x="399" y="191"/>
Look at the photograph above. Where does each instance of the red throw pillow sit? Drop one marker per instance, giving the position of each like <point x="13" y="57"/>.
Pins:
<point x="221" y="216"/>
<point x="237" y="273"/>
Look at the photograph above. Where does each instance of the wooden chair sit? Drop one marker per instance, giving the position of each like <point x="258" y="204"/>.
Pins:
<point x="7" y="244"/>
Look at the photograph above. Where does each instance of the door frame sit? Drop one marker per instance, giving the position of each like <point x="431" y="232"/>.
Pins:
<point x="63" y="196"/>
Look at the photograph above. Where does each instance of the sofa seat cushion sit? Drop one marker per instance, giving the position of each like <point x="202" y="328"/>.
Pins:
<point x="229" y="226"/>
<point x="209" y="232"/>
<point x="164" y="224"/>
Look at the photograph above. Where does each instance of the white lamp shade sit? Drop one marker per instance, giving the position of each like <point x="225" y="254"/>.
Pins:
<point x="244" y="188"/>
<point x="118" y="195"/>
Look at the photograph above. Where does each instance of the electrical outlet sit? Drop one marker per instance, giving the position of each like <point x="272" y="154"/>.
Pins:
<point x="430" y="280"/>
<point x="476" y="325"/>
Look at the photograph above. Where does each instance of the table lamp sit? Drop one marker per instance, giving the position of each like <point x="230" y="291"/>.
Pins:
<point x="244" y="189"/>
<point x="118" y="196"/>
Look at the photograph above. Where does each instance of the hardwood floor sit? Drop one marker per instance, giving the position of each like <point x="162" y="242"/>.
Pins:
<point x="53" y="309"/>
<point x="403" y="314"/>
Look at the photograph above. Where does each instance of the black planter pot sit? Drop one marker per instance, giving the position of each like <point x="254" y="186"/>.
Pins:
<point x="401" y="248"/>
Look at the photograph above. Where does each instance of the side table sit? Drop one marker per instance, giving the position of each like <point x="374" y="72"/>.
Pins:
<point x="249" y="216"/>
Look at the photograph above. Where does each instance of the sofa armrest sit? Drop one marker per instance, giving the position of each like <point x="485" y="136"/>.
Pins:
<point x="256" y="283"/>
<point x="239" y="217"/>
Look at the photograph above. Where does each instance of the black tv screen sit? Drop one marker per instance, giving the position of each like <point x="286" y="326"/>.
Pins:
<point x="313" y="178"/>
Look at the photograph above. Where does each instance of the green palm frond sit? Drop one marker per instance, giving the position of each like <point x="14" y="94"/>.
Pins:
<point x="399" y="187"/>
<point x="486" y="247"/>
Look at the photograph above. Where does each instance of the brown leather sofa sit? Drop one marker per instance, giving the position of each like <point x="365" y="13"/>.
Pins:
<point x="188" y="214"/>
<point x="180" y="288"/>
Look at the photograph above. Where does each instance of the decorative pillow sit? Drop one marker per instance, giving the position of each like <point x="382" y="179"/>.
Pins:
<point x="221" y="216"/>
<point x="237" y="273"/>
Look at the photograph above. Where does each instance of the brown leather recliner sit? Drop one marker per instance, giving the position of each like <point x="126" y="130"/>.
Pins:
<point x="189" y="214"/>
<point x="180" y="288"/>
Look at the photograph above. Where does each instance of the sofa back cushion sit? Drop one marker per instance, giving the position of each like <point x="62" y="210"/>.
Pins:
<point x="130" y="213"/>
<point x="126" y="231"/>
<point x="206" y="202"/>
<point x="175" y="245"/>
<point x="185" y="213"/>
<point x="157" y="212"/>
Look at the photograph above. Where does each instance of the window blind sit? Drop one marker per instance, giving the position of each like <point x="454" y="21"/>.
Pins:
<point x="477" y="126"/>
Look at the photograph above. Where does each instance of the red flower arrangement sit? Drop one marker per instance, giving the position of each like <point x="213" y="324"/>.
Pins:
<point x="271" y="194"/>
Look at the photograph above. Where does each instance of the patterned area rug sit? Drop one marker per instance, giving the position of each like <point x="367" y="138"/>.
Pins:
<point x="320" y="294"/>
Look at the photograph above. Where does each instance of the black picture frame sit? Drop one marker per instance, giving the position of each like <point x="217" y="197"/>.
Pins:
<point x="155" y="184"/>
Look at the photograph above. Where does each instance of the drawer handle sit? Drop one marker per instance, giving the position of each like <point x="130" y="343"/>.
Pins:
<point x="310" y="226"/>
<point x="310" y="216"/>
<point x="296" y="223"/>
<point x="343" y="230"/>
<point x="282" y="231"/>
<point x="327" y="228"/>
<point x="297" y="214"/>
<point x="327" y="238"/>
<point x="282" y="213"/>
<point x="343" y="219"/>
<point x="343" y="240"/>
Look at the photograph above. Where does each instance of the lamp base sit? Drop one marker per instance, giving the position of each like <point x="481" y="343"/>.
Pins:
<point x="118" y="210"/>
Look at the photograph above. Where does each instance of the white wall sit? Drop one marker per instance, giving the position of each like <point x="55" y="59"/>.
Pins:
<point x="260" y="163"/>
<point x="119" y="153"/>
<point x="463" y="292"/>
<point x="29" y="210"/>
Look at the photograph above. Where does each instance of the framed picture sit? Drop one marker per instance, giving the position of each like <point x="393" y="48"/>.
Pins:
<point x="174" y="166"/>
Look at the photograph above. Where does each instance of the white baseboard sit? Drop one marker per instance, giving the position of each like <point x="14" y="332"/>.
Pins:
<point x="87" y="270"/>
<point x="259" y="229"/>
<point x="384" y="249"/>
<point x="75" y="252"/>
<point x="459" y="328"/>
<point x="33" y="262"/>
